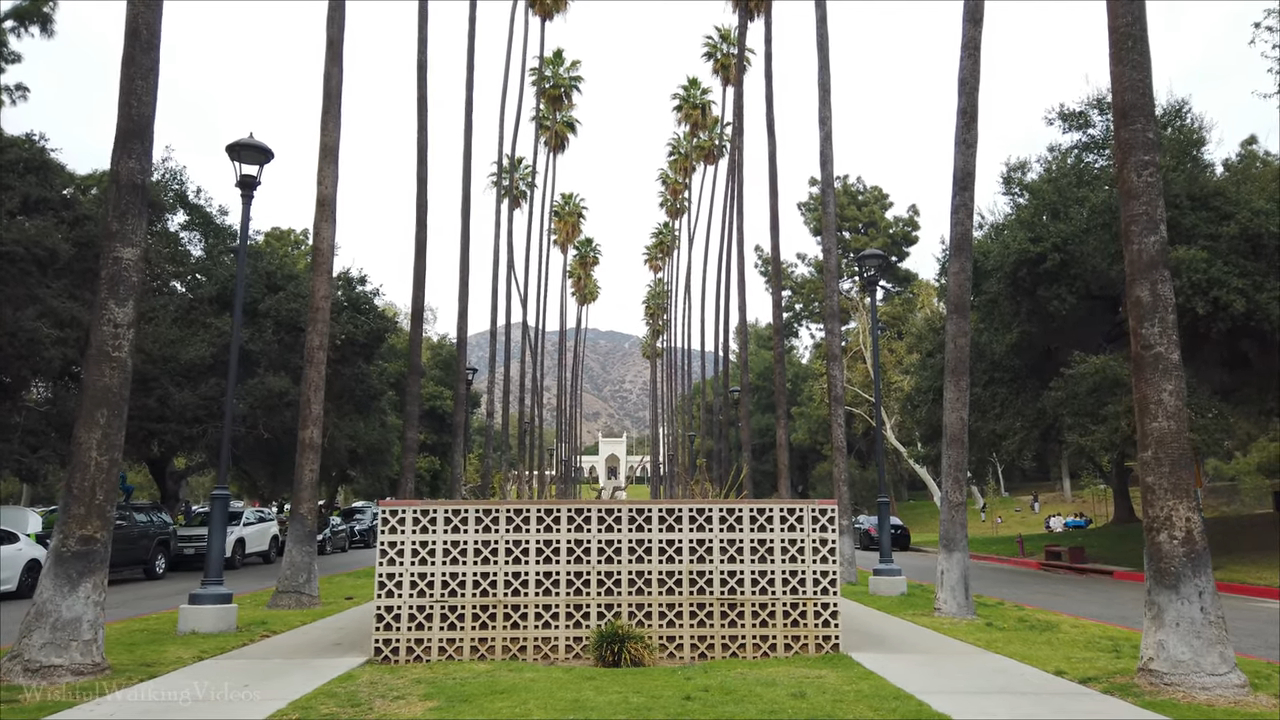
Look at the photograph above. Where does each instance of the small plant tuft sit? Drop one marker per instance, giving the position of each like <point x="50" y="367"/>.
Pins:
<point x="618" y="644"/>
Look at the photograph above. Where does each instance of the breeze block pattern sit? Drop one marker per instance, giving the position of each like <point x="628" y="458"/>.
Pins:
<point x="529" y="580"/>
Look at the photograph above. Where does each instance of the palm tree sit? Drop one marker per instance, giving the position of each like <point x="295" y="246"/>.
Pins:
<point x="486" y="460"/>
<point x="952" y="597"/>
<point x="461" y="396"/>
<point x="546" y="11"/>
<point x="651" y="349"/>
<point x="746" y="12"/>
<point x="567" y="217"/>
<point x="70" y="600"/>
<point x="298" y="585"/>
<point x="413" y="378"/>
<point x="781" y="440"/>
<point x="833" y="328"/>
<point x="586" y="255"/>
<point x="1184" y="634"/>
<point x="514" y="190"/>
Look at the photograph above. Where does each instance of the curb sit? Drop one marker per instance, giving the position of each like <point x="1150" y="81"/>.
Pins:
<point x="1260" y="592"/>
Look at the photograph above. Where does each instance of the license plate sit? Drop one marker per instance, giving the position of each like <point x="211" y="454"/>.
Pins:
<point x="188" y="551"/>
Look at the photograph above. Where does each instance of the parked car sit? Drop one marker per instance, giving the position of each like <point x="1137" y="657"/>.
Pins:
<point x="21" y="558"/>
<point x="362" y="525"/>
<point x="250" y="532"/>
<point x="868" y="529"/>
<point x="332" y="536"/>
<point x="144" y="538"/>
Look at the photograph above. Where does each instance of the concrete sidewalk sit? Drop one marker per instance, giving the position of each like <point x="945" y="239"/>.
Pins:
<point x="250" y="683"/>
<point x="964" y="681"/>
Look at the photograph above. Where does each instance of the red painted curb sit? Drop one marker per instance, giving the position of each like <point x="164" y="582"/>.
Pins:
<point x="1002" y="560"/>
<point x="1254" y="591"/>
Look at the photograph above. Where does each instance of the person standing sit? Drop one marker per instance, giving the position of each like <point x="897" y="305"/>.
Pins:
<point x="1035" y="502"/>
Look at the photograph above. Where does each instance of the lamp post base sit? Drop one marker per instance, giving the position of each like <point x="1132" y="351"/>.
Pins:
<point x="207" y="619"/>
<point x="888" y="586"/>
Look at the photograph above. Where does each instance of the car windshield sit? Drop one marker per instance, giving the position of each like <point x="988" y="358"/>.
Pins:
<point x="355" y="513"/>
<point x="202" y="519"/>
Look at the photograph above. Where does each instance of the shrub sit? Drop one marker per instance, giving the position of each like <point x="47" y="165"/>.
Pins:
<point x="618" y="644"/>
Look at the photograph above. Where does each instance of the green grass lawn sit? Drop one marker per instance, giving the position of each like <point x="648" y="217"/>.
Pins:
<point x="829" y="686"/>
<point x="146" y="647"/>
<point x="1245" y="548"/>
<point x="1095" y="655"/>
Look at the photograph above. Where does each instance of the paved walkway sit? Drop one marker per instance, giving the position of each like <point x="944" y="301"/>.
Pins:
<point x="953" y="677"/>
<point x="250" y="683"/>
<point x="963" y="681"/>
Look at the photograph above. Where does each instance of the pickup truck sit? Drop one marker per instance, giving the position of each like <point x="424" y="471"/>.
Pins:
<point x="144" y="537"/>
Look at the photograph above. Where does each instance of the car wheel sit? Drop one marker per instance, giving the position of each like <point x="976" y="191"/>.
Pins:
<point x="28" y="579"/>
<point x="863" y="542"/>
<point x="236" y="560"/>
<point x="158" y="564"/>
<point x="273" y="552"/>
<point x="327" y="548"/>
<point x="346" y="543"/>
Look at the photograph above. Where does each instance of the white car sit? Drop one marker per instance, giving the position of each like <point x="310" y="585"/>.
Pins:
<point x="21" y="558"/>
<point x="250" y="532"/>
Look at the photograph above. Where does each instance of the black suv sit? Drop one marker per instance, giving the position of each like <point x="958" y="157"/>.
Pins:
<point x="144" y="537"/>
<point x="362" y="525"/>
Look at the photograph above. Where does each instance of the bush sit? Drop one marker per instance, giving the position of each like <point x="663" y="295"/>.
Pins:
<point x="618" y="644"/>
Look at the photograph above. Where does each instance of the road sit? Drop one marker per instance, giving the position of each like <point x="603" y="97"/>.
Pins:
<point x="1254" y="625"/>
<point x="132" y="595"/>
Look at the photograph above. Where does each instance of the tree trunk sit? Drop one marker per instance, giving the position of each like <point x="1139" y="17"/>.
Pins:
<point x="507" y="465"/>
<point x="744" y="374"/>
<point x="299" y="583"/>
<point x="413" y="382"/>
<point x="525" y="445"/>
<point x="26" y="495"/>
<point x="952" y="594"/>
<point x="461" y="396"/>
<point x="168" y="481"/>
<point x="1064" y="470"/>
<point x="491" y="382"/>
<point x="833" y="328"/>
<point x="60" y="638"/>
<point x="540" y="332"/>
<point x="708" y="429"/>
<point x="781" y="438"/>
<point x="1184" y="635"/>
<point x="1121" y="499"/>
<point x="548" y="247"/>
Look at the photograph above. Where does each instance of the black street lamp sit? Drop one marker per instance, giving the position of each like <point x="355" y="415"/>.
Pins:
<point x="871" y="263"/>
<point x="248" y="157"/>
<point x="671" y="475"/>
<point x="466" y="428"/>
<point x="551" y="462"/>
<point x="693" y="460"/>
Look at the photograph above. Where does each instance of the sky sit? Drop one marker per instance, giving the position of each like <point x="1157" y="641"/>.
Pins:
<point x="230" y="68"/>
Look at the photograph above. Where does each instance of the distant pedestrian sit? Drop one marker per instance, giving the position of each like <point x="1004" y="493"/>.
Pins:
<point x="1035" y="502"/>
<point x="984" y="512"/>
<point x="125" y="487"/>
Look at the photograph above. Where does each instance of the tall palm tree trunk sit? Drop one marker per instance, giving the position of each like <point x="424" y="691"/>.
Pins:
<point x="61" y="637"/>
<point x="486" y="461"/>
<point x="413" y="378"/>
<point x="542" y="341"/>
<point x="511" y="274"/>
<point x="655" y="486"/>
<point x="704" y="422"/>
<point x="781" y="439"/>
<point x="528" y="351"/>
<point x="744" y="374"/>
<point x="461" y="396"/>
<point x="952" y="596"/>
<point x="833" y="328"/>
<point x="562" y="366"/>
<point x="1184" y="634"/>
<point x="298" y="585"/>
<point x="724" y="272"/>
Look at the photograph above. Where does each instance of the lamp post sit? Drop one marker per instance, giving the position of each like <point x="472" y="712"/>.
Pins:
<point x="248" y="157"/>
<point x="671" y="476"/>
<point x="693" y="460"/>
<point x="466" y="428"/>
<point x="871" y="263"/>
<point x="551" y="463"/>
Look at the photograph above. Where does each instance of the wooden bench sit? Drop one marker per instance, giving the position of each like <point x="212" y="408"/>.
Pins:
<point x="1073" y="555"/>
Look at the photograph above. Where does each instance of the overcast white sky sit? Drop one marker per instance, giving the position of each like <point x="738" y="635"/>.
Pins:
<point x="229" y="68"/>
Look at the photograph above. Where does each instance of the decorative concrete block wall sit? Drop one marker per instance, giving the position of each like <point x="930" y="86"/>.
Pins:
<point x="530" y="580"/>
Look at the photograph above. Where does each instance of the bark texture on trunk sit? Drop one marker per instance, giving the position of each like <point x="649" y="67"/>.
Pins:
<point x="461" y="396"/>
<point x="299" y="583"/>
<point x="781" y="438"/>
<point x="1122" y="501"/>
<point x="413" y="381"/>
<point x="952" y="595"/>
<point x="1064" y="469"/>
<point x="833" y="329"/>
<point x="1184" y="635"/>
<point x="61" y="636"/>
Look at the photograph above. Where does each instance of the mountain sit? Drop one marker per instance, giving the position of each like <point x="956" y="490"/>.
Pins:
<point x="615" y="384"/>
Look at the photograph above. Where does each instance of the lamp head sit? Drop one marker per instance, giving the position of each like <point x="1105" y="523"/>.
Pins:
<point x="248" y="157"/>
<point x="871" y="264"/>
<point x="734" y="392"/>
<point x="471" y="374"/>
